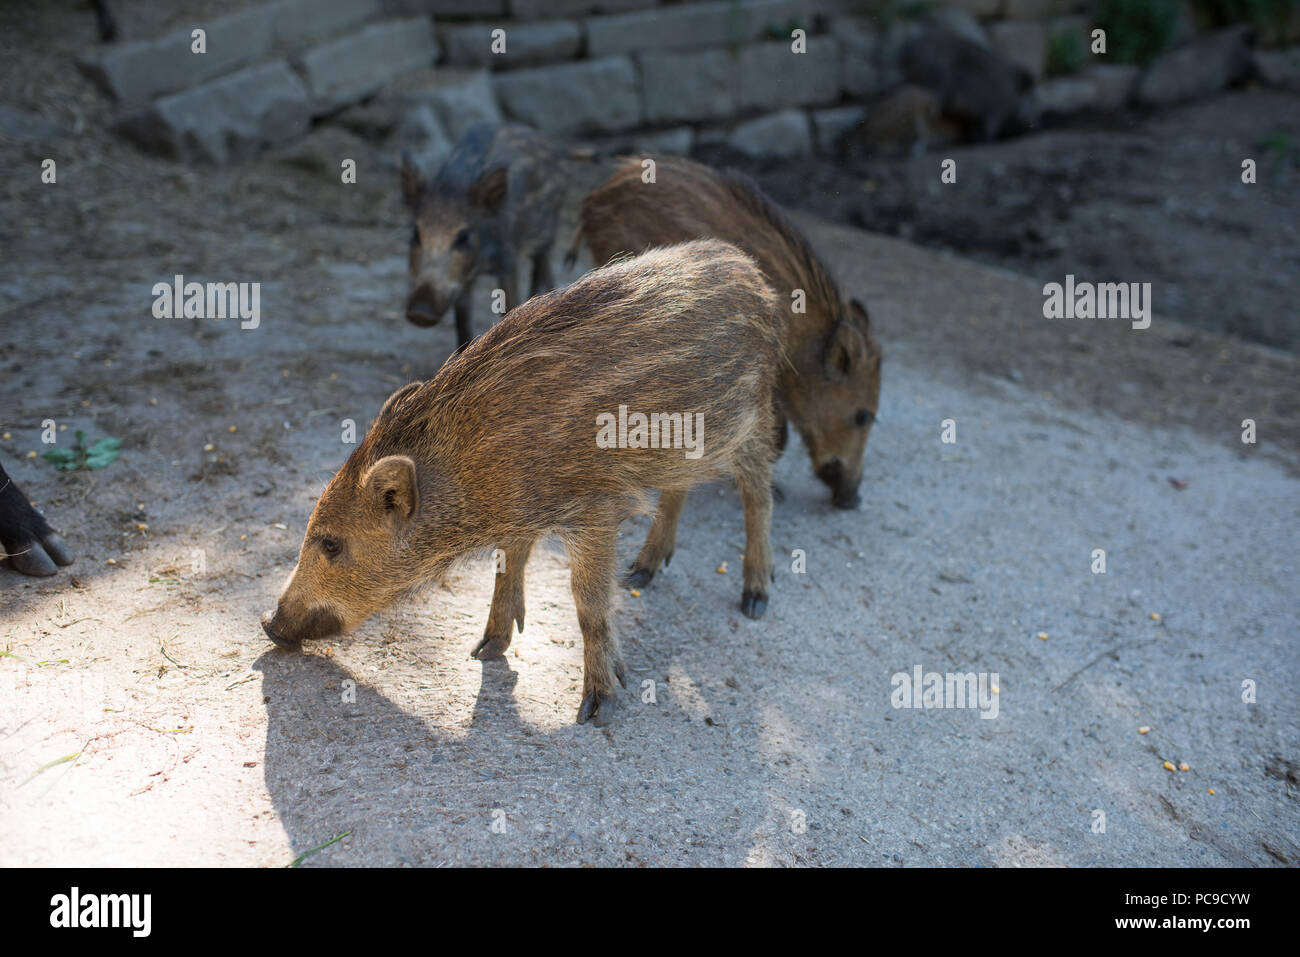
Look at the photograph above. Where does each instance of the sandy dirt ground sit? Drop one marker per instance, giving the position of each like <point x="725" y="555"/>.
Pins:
<point x="147" y="720"/>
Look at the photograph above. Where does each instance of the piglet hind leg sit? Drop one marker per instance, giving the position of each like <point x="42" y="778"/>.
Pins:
<point x="507" y="604"/>
<point x="659" y="544"/>
<point x="754" y="475"/>
<point x="543" y="278"/>
<point x="591" y="559"/>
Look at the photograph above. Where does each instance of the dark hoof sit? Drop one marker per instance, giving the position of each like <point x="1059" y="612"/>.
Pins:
<point x="490" y="647"/>
<point x="600" y="709"/>
<point x="57" y="549"/>
<point x="638" y="577"/>
<point x="32" y="560"/>
<point x="753" y="603"/>
<point x="423" y="319"/>
<point x="846" y="500"/>
<point x="778" y="494"/>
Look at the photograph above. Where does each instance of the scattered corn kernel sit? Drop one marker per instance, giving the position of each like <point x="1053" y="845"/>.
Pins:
<point x="996" y="690"/>
<point x="1143" y="730"/>
<point x="231" y="429"/>
<point x="209" y="447"/>
<point x="1042" y="636"/>
<point x="31" y="455"/>
<point x="1211" y="790"/>
<point x="635" y="593"/>
<point x="243" y="538"/>
<point x="1184" y="766"/>
<point x="6" y="436"/>
<point x="1169" y="766"/>
<point x="141" y="527"/>
<point x="1155" y="616"/>
<point x="111" y="561"/>
<point x="722" y="569"/>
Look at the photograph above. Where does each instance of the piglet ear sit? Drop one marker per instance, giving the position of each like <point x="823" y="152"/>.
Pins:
<point x="858" y="313"/>
<point x="490" y="191"/>
<point x="845" y="351"/>
<point x="412" y="181"/>
<point x="390" y="484"/>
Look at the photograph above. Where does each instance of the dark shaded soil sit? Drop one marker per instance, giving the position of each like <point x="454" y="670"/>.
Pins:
<point x="1131" y="198"/>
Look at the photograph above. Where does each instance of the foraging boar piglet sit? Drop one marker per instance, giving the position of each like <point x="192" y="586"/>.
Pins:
<point x="830" y="386"/>
<point x="988" y="95"/>
<point x="515" y="438"/>
<point x="494" y="202"/>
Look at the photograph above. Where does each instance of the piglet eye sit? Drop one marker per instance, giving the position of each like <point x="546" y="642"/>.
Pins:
<point x="330" y="546"/>
<point x="864" y="417"/>
<point x="415" y="236"/>
<point x="463" y="239"/>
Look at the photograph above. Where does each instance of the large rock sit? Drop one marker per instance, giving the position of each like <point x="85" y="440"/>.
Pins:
<point x="830" y="124"/>
<point x="1113" y="83"/>
<point x="346" y="70"/>
<point x="227" y="119"/>
<point x="1066" y="94"/>
<point x="1279" y="68"/>
<point x="1200" y="68"/>
<point x="542" y="9"/>
<point x="527" y="44"/>
<point x="295" y="22"/>
<point x="980" y="8"/>
<point x="772" y="75"/>
<point x="459" y="98"/>
<point x="1023" y="42"/>
<point x="783" y="135"/>
<point x="859" y="57"/>
<point x="674" y="142"/>
<point x="422" y="136"/>
<point x="591" y="96"/>
<point x="694" y="25"/>
<point x="687" y="87"/>
<point x="958" y="21"/>
<point x="452" y="9"/>
<point x="134" y="73"/>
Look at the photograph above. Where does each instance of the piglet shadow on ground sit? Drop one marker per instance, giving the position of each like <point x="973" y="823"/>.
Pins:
<point x="341" y="758"/>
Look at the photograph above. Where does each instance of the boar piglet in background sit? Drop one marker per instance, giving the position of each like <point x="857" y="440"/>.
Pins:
<point x="988" y="95"/>
<point x="830" y="387"/>
<point x="506" y="444"/>
<point x="493" y="204"/>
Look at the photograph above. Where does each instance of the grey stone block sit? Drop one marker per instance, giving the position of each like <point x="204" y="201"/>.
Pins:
<point x="958" y="21"/>
<point x="1279" y="68"/>
<point x="526" y="44"/>
<point x="459" y="98"/>
<point x="1023" y="42"/>
<point x="543" y="9"/>
<point x="772" y="76"/>
<point x="860" y="74"/>
<point x="227" y="119"/>
<point x="727" y="23"/>
<point x="1066" y="94"/>
<point x="295" y="22"/>
<point x="674" y="142"/>
<point x="783" y="135"/>
<point x="677" y="87"/>
<point x="136" y="72"/>
<point x="346" y="70"/>
<point x="830" y="124"/>
<point x="1200" y="68"/>
<point x="591" y="96"/>
<point x="1113" y="83"/>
